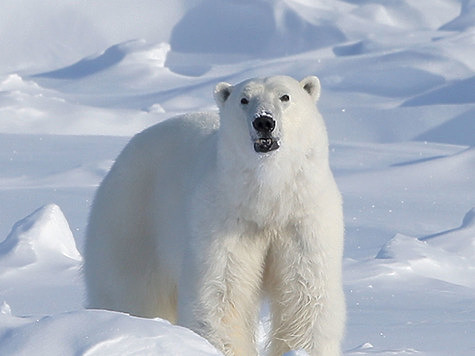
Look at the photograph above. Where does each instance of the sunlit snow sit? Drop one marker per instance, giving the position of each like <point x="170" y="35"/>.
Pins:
<point x="79" y="78"/>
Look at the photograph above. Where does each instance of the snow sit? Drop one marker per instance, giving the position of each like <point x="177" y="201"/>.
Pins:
<point x="101" y="333"/>
<point x="79" y="78"/>
<point x="40" y="236"/>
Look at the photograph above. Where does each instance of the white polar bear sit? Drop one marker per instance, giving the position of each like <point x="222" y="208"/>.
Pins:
<point x="204" y="214"/>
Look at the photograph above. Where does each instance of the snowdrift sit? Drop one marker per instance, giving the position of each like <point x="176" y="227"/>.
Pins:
<point x="166" y="66"/>
<point x="95" y="333"/>
<point x="42" y="237"/>
<point x="448" y="256"/>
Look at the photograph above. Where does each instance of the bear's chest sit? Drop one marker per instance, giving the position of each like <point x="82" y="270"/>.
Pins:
<point x="269" y="199"/>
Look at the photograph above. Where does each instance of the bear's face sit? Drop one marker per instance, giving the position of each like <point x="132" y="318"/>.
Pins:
<point x="267" y="112"/>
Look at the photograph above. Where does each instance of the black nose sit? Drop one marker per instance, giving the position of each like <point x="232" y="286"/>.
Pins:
<point x="264" y="124"/>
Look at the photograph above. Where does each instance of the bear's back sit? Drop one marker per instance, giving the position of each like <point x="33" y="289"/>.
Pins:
<point x="177" y="135"/>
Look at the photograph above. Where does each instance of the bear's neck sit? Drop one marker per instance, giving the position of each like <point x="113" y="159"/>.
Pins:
<point x="267" y="190"/>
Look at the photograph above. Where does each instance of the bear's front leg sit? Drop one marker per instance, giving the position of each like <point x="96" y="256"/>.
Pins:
<point x="303" y="279"/>
<point x="227" y="308"/>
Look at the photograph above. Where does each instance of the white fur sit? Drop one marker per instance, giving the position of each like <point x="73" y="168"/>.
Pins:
<point x="192" y="225"/>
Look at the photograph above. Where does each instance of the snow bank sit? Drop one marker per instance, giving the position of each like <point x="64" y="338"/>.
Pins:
<point x="135" y="53"/>
<point x="40" y="265"/>
<point x="42" y="237"/>
<point x="158" y="68"/>
<point x="26" y="107"/>
<point x="260" y="28"/>
<point x="40" y="244"/>
<point x="100" y="333"/>
<point x="53" y="33"/>
<point x="448" y="256"/>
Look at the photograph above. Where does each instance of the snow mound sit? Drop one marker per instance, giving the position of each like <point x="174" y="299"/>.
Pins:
<point x="5" y="309"/>
<point x="254" y="28"/>
<point x="27" y="107"/>
<point x="134" y="52"/>
<point x="403" y="247"/>
<point x="368" y="349"/>
<point x="224" y="32"/>
<point x="448" y="256"/>
<point x="43" y="236"/>
<point x="90" y="65"/>
<point x="15" y="83"/>
<point x="104" y="333"/>
<point x="60" y="32"/>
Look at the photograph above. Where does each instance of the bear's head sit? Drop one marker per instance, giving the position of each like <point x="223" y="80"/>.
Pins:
<point x="269" y="114"/>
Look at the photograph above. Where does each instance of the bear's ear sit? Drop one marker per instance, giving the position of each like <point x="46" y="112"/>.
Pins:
<point x="222" y="91"/>
<point x="311" y="85"/>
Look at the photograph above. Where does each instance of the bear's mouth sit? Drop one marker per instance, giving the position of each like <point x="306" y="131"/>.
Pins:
<point x="265" y="144"/>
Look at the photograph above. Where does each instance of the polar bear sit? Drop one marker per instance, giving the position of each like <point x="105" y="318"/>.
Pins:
<point x="203" y="215"/>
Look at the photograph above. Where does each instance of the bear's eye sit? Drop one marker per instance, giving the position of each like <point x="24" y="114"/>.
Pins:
<point x="244" y="101"/>
<point x="284" y="98"/>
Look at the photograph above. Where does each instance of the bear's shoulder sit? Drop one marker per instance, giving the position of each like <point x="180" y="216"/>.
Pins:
<point x="183" y="126"/>
<point x="180" y="134"/>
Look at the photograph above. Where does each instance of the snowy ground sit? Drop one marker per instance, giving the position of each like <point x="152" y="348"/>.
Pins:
<point x="78" y="78"/>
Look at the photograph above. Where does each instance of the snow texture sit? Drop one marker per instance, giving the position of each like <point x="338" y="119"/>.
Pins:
<point x="79" y="78"/>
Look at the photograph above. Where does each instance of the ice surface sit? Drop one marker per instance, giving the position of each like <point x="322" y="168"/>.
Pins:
<point x="398" y="98"/>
